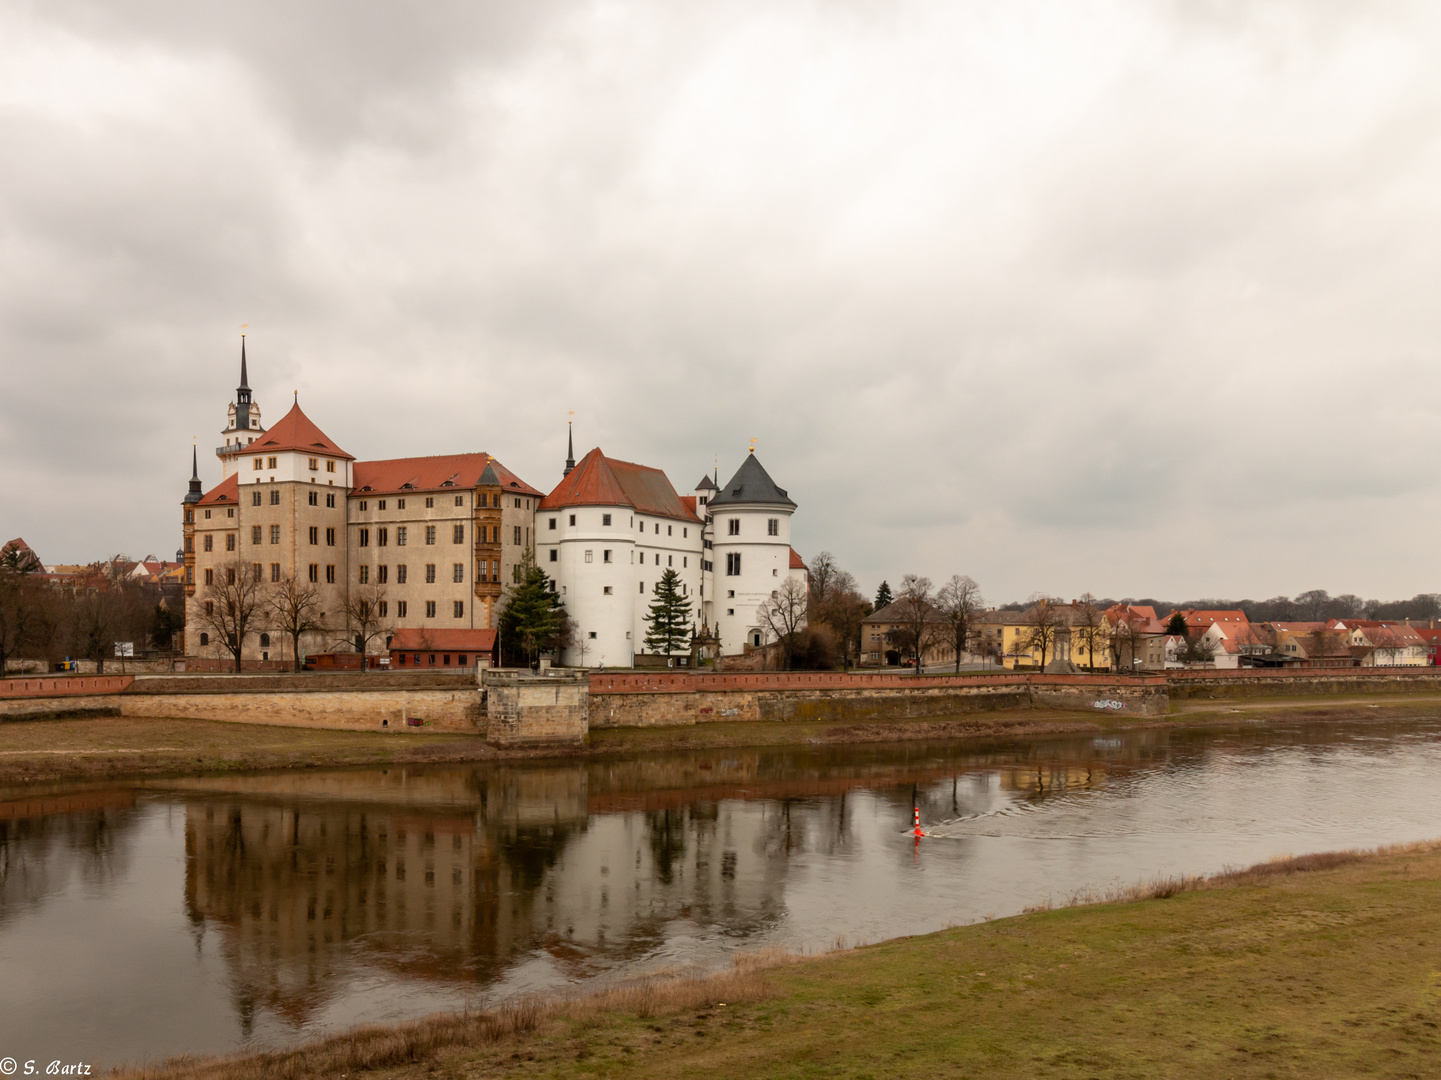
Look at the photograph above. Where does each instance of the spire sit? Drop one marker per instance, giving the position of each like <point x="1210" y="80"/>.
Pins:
<point x="244" y="380"/>
<point x="569" y="447"/>
<point x="194" y="494"/>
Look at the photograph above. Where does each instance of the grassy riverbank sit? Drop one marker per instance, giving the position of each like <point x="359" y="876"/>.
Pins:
<point x="1323" y="966"/>
<point x="111" y="748"/>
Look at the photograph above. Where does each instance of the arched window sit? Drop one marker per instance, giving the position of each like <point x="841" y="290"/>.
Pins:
<point x="265" y="641"/>
<point x="204" y="638"/>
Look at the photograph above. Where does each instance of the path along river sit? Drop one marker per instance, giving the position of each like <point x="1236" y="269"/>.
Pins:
<point x="215" y="914"/>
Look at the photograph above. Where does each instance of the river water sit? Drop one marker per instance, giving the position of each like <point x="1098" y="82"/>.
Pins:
<point x="216" y="914"/>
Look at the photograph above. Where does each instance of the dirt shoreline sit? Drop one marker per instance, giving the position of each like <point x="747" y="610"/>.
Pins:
<point x="111" y="748"/>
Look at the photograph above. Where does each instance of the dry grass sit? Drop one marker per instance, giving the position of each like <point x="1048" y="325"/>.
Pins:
<point x="369" y="1048"/>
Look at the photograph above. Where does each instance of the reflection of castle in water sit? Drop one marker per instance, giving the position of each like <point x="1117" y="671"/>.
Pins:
<point x="456" y="876"/>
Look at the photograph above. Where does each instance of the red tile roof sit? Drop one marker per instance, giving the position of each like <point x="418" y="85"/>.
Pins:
<point x="296" y="431"/>
<point x="421" y="639"/>
<point x="602" y="481"/>
<point x="225" y="493"/>
<point x="1140" y="616"/>
<point x="398" y="475"/>
<point x="797" y="563"/>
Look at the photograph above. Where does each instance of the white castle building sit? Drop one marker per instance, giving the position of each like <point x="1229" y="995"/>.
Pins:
<point x="610" y="529"/>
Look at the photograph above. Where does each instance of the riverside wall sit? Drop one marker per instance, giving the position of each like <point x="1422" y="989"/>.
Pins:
<point x="657" y="699"/>
<point x="1302" y="682"/>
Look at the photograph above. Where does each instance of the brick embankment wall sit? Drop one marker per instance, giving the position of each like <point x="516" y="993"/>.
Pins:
<point x="352" y="710"/>
<point x="528" y="710"/>
<point x="677" y="698"/>
<point x="62" y="685"/>
<point x="307" y="681"/>
<point x="1302" y="682"/>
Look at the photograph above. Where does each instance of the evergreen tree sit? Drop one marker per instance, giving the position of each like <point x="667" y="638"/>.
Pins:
<point x="669" y="617"/>
<point x="883" y="595"/>
<point x="1177" y="625"/>
<point x="533" y="616"/>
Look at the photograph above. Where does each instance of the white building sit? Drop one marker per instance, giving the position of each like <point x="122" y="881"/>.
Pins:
<point x="611" y="529"/>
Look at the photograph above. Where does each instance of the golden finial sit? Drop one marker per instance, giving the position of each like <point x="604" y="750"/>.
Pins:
<point x="753" y="444"/>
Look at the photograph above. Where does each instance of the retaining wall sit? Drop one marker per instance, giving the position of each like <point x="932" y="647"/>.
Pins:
<point x="526" y="709"/>
<point x="1302" y="682"/>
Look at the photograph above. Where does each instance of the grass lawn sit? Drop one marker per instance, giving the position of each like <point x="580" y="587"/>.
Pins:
<point x="1323" y="967"/>
<point x="34" y="751"/>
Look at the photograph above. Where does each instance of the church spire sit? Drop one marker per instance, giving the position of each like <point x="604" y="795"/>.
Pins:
<point x="244" y="380"/>
<point x="569" y="447"/>
<point x="242" y="395"/>
<point x="194" y="494"/>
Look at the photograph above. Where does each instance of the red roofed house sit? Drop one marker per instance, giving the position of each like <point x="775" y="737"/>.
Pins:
<point x="1384" y="642"/>
<point x="418" y="647"/>
<point x="1228" y="633"/>
<point x="1138" y="638"/>
<point x="423" y="543"/>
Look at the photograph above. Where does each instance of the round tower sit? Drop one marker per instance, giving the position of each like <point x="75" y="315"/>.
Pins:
<point x="751" y="534"/>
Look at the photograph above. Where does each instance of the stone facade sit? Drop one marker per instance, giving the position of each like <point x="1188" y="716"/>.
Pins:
<point x="524" y="709"/>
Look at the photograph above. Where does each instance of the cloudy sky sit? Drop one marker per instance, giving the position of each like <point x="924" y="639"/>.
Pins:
<point x="1135" y="298"/>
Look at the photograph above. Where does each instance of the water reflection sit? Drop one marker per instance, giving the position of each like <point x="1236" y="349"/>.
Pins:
<point x="258" y="909"/>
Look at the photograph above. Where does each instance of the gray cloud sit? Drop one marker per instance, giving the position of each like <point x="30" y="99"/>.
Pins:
<point x="1119" y="297"/>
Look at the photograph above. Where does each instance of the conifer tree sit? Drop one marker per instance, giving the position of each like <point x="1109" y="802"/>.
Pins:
<point x="883" y="595"/>
<point x="669" y="617"/>
<point x="533" y="616"/>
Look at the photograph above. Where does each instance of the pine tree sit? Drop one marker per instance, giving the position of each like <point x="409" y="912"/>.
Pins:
<point x="533" y="616"/>
<point x="669" y="617"/>
<point x="883" y="595"/>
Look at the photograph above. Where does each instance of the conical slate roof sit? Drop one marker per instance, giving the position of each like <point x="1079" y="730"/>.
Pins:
<point x="750" y="486"/>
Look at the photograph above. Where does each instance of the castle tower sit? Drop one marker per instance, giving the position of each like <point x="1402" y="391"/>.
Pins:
<point x="752" y="557"/>
<point x="243" y="425"/>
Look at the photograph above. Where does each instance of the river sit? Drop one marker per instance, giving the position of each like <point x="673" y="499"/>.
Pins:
<point x="223" y="913"/>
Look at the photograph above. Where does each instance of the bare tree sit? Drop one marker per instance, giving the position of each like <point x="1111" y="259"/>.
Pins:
<point x="232" y="604"/>
<point x="1089" y="622"/>
<point x="845" y="609"/>
<point x="959" y="602"/>
<point x="1312" y="604"/>
<point x="784" y="616"/>
<point x="921" y="625"/>
<point x="293" y="608"/>
<point x="364" y="621"/>
<point x="824" y="573"/>
<point x="1043" y="624"/>
<point x="1126" y="641"/>
<point x="22" y="604"/>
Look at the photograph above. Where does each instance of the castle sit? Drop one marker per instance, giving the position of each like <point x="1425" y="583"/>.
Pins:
<point x="432" y="542"/>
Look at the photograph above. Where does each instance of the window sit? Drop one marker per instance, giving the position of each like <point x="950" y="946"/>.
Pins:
<point x="330" y="500"/>
<point x="430" y="573"/>
<point x="330" y="466"/>
<point x="381" y="504"/>
<point x="382" y="574"/>
<point x="459" y="609"/>
<point x="684" y="533"/>
<point x="642" y="526"/>
<point x="429" y="501"/>
<point x="314" y="572"/>
<point x="209" y="576"/>
<point x="384" y="608"/>
<point x="382" y="536"/>
<point x="642" y="587"/>
<point x="670" y="560"/>
<point x="606" y="590"/>
<point x="730" y="594"/>
<point x="430" y="609"/>
<point x="733" y="563"/>
<point x="209" y="544"/>
<point x="460" y="500"/>
<point x="457" y="534"/>
<point x="430" y="534"/>
<point x="329" y="537"/>
<point x="254" y="500"/>
<point x="270" y="463"/>
<point x="259" y="464"/>
<point x="190" y="544"/>
<point x="572" y="518"/>
<point x="684" y="561"/>
<point x="730" y="611"/>
<point x="457" y="573"/>
<point x="207" y="516"/>
<point x="605" y="555"/>
<point x="230" y="511"/>
<point x="364" y="505"/>
<point x="554" y="555"/>
<point x="400" y="607"/>
<point x="257" y="534"/>
<point x="313" y="498"/>
<point x="670" y="530"/>
<point x="657" y="528"/>
<point x="230" y="575"/>
<point x="229" y="541"/>
<point x="275" y="534"/>
<point x="590" y="556"/>
<point x="400" y="534"/>
<point x="591" y="635"/>
<point x="265" y="641"/>
<point x="733" y="527"/>
<point x="275" y="497"/>
<point x="515" y="574"/>
<point x="552" y="523"/>
<point x="313" y="464"/>
<point x="364" y="537"/>
<point x="204" y="637"/>
<point x="605" y="519"/>
<point x="275" y="571"/>
<point x="773" y="527"/>
<point x="315" y="534"/>
<point x="365" y="575"/>
<point x="330" y="573"/>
